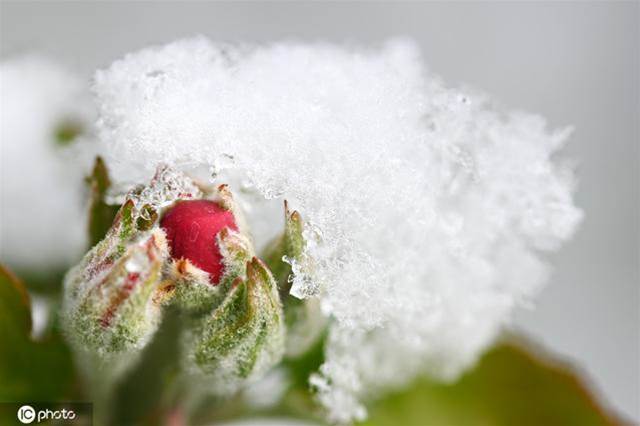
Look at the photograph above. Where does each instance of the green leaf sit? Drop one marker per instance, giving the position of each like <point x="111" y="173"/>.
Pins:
<point x="511" y="385"/>
<point x="15" y="315"/>
<point x="29" y="370"/>
<point x="101" y="214"/>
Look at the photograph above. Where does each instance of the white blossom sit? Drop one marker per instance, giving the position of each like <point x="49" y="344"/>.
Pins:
<point x="427" y="208"/>
<point x="41" y="195"/>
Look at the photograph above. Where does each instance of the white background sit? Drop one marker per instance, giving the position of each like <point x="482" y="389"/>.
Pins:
<point x="575" y="63"/>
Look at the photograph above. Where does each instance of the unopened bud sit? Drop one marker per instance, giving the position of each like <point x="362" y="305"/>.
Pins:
<point x="113" y="311"/>
<point x="245" y="335"/>
<point x="176" y="243"/>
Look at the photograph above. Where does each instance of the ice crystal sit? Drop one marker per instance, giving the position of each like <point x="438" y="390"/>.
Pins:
<point x="44" y="122"/>
<point x="166" y="187"/>
<point x="426" y="207"/>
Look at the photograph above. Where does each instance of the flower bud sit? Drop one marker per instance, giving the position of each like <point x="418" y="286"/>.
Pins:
<point x="245" y="334"/>
<point x="192" y="227"/>
<point x="208" y="250"/>
<point x="191" y="286"/>
<point x="112" y="297"/>
<point x="110" y="304"/>
<point x="176" y="243"/>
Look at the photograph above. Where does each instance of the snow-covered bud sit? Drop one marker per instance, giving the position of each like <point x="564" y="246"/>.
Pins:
<point x="244" y="336"/>
<point x="110" y="296"/>
<point x="113" y="296"/>
<point x="178" y="243"/>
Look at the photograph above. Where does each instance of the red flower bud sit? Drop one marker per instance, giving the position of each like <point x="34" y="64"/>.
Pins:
<point x="192" y="227"/>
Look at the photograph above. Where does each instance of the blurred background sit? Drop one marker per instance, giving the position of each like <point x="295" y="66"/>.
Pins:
<point x="574" y="63"/>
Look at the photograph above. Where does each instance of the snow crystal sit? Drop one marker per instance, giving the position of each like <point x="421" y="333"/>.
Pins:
<point x="166" y="187"/>
<point x="43" y="214"/>
<point x="426" y="207"/>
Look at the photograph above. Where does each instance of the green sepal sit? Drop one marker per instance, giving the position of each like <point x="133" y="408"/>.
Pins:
<point x="303" y="318"/>
<point x="290" y="245"/>
<point x="101" y="214"/>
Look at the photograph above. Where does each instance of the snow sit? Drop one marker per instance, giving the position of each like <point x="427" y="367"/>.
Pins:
<point x="427" y="208"/>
